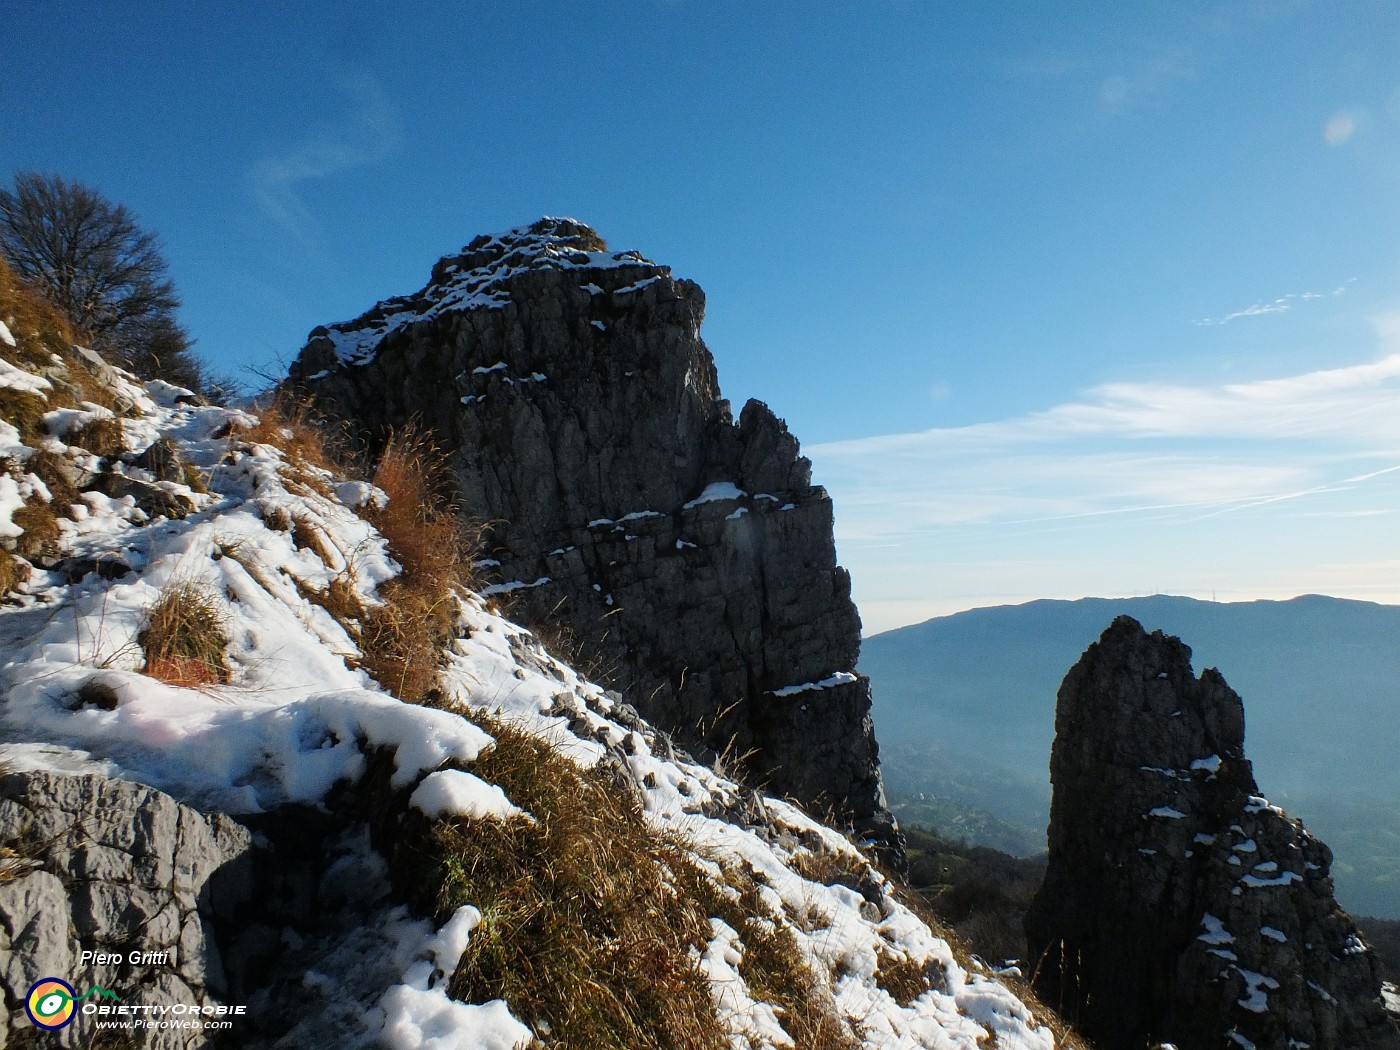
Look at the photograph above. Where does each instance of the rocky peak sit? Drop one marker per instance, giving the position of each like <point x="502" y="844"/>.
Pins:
<point x="1180" y="906"/>
<point x="687" y="558"/>
<point x="478" y="276"/>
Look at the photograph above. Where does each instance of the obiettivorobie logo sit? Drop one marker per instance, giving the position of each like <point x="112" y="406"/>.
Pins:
<point x="50" y="1003"/>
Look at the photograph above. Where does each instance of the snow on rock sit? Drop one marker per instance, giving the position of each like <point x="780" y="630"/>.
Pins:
<point x="479" y="277"/>
<point x="1255" y="1000"/>
<point x="1215" y="931"/>
<point x="716" y="490"/>
<point x="839" y="678"/>
<point x="13" y="378"/>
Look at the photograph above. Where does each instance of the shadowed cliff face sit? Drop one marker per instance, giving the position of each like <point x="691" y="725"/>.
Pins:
<point x="1178" y="904"/>
<point x="688" y="556"/>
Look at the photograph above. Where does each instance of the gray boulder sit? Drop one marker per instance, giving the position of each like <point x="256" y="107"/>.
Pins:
<point x="123" y="872"/>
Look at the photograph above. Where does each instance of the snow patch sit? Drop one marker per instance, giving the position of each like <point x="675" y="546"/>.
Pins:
<point x="839" y="678"/>
<point x="1215" y="931"/>
<point x="418" y="1015"/>
<point x="450" y="792"/>
<point x="12" y="378"/>
<point x="515" y="585"/>
<point x="1255" y="999"/>
<point x="716" y="490"/>
<point x="1287" y="877"/>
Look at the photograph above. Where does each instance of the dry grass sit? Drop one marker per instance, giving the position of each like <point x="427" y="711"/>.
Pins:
<point x="592" y="921"/>
<point x="194" y="477"/>
<point x="277" y="519"/>
<point x="41" y="532"/>
<point x="13" y="572"/>
<point x="43" y="346"/>
<point x="307" y="444"/>
<point x="24" y="410"/>
<point x="307" y="535"/>
<point x="904" y="979"/>
<point x="771" y="962"/>
<point x="42" y="333"/>
<point x="586" y="928"/>
<point x="102" y="436"/>
<point x="402" y="639"/>
<point x="19" y="855"/>
<point x="12" y="864"/>
<point x="40" y="330"/>
<point x="832" y="868"/>
<point x="184" y="638"/>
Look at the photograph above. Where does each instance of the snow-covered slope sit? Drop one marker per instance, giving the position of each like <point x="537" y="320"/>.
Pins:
<point x="292" y="715"/>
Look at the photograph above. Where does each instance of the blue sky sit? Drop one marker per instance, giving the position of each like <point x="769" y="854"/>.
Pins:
<point x="1062" y="299"/>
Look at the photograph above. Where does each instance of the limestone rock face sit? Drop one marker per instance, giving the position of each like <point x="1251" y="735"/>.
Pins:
<point x="688" y="559"/>
<point x="109" y="866"/>
<point x="1179" y="906"/>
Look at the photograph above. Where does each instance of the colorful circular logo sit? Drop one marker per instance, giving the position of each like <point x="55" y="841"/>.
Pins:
<point x="49" y="1003"/>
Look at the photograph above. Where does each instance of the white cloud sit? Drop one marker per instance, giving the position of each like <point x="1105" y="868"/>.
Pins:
<point x="1342" y="125"/>
<point x="1148" y="84"/>
<point x="368" y="132"/>
<point x="1277" y="306"/>
<point x="1127" y="489"/>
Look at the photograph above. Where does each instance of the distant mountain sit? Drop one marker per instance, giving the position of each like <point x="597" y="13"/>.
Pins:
<point x="965" y="710"/>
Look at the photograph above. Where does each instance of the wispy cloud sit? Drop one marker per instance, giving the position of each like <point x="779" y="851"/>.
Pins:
<point x="1148" y="84"/>
<point x="368" y="132"/>
<point x="1342" y="125"/>
<point x="1276" y="306"/>
<point x="1130" y="486"/>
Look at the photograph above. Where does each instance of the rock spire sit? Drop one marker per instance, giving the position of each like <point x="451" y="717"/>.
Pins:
<point x="1180" y="906"/>
<point x="686" y="558"/>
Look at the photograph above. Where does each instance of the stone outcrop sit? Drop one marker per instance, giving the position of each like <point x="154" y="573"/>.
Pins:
<point x="686" y="559"/>
<point x="1179" y="905"/>
<point x="111" y="867"/>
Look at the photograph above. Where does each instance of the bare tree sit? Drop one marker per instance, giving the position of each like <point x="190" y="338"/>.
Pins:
<point x="89" y="258"/>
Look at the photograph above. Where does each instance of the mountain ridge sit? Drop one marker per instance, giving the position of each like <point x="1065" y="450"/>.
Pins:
<point x="988" y="678"/>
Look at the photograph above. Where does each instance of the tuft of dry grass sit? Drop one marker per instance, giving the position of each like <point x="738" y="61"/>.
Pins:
<point x="102" y="436"/>
<point x="40" y="330"/>
<point x="40" y="524"/>
<point x="586" y="929"/>
<point x="41" y="334"/>
<point x="14" y="571"/>
<point x="402" y="639"/>
<point x="277" y="519"/>
<point x="185" y="638"/>
<point x="904" y="979"/>
<point x="307" y="535"/>
<point x="24" y="410"/>
<point x="12" y="864"/>
<point x="307" y="444"/>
